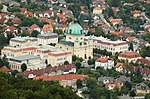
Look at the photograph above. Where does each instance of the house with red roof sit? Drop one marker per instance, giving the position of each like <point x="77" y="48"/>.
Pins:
<point x="34" y="27"/>
<point x="64" y="80"/>
<point x="136" y="13"/>
<point x="97" y="10"/>
<point x="16" y="21"/>
<point x="104" y="62"/>
<point x="147" y="27"/>
<point x="29" y="14"/>
<point x="48" y="28"/>
<point x="119" y="67"/>
<point x="3" y="18"/>
<point x="43" y="14"/>
<point x="10" y="30"/>
<point x="132" y="39"/>
<point x="116" y="21"/>
<point x="130" y="56"/>
<point x="49" y="71"/>
<point x="5" y="69"/>
<point x="23" y="10"/>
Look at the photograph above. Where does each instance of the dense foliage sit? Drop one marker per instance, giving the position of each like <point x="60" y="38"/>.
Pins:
<point x="15" y="88"/>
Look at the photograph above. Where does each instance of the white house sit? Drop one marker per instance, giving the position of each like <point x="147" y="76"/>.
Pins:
<point x="104" y="62"/>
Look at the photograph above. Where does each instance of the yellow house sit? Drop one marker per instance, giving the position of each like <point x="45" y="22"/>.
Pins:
<point x="97" y="10"/>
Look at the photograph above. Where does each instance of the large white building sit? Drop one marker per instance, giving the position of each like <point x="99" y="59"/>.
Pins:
<point x="33" y="62"/>
<point x="23" y="41"/>
<point x="111" y="46"/>
<point x="47" y="38"/>
<point x="104" y="62"/>
<point x="21" y="47"/>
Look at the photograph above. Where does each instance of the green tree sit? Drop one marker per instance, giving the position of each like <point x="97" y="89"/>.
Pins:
<point x="79" y="83"/>
<point x="78" y="65"/>
<point x="1" y="7"/>
<point x="66" y="63"/>
<point x="74" y="58"/>
<point x="147" y="96"/>
<point x="34" y="33"/>
<point x="23" y="67"/>
<point x="131" y="46"/>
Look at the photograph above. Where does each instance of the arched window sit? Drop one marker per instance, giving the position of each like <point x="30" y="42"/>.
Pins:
<point x="81" y="31"/>
<point x="70" y="31"/>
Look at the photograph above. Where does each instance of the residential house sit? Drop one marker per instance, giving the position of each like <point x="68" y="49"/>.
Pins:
<point x="64" y="80"/>
<point x="45" y="14"/>
<point x="143" y="61"/>
<point x="3" y="18"/>
<point x="34" y="27"/>
<point x="5" y="69"/>
<point x="10" y="30"/>
<point x="48" y="28"/>
<point x="116" y="21"/>
<point x="106" y="80"/>
<point x="119" y="67"/>
<point x="29" y="14"/>
<point x="146" y="77"/>
<point x="49" y="71"/>
<point x="129" y="56"/>
<point x="104" y="62"/>
<point x="97" y="10"/>
<point x="142" y="88"/>
<point x="132" y="39"/>
<point x="23" y="10"/>
<point x="16" y="21"/>
<point x="147" y="27"/>
<point x="136" y="13"/>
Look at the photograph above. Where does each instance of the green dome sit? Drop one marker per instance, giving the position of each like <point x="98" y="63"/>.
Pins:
<point x="75" y="29"/>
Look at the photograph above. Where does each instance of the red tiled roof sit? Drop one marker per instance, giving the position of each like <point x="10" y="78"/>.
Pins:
<point x="29" y="14"/>
<point x="62" y="77"/>
<point x="103" y="59"/>
<point x="136" y="12"/>
<point x="33" y="26"/>
<point x="23" y="9"/>
<point x="119" y="64"/>
<point x="131" y="38"/>
<point x="116" y="21"/>
<point x="4" y="68"/>
<point x="47" y="27"/>
<point x="143" y="61"/>
<point x="97" y="8"/>
<point x="129" y="54"/>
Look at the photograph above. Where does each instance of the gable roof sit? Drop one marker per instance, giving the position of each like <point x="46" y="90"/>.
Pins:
<point x="4" y="68"/>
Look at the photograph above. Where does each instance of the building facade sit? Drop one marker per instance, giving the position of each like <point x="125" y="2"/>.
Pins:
<point x="47" y="38"/>
<point x="104" y="62"/>
<point x="111" y="46"/>
<point x="76" y="43"/>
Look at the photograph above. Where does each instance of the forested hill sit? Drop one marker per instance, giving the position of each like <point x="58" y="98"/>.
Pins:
<point x="20" y="88"/>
